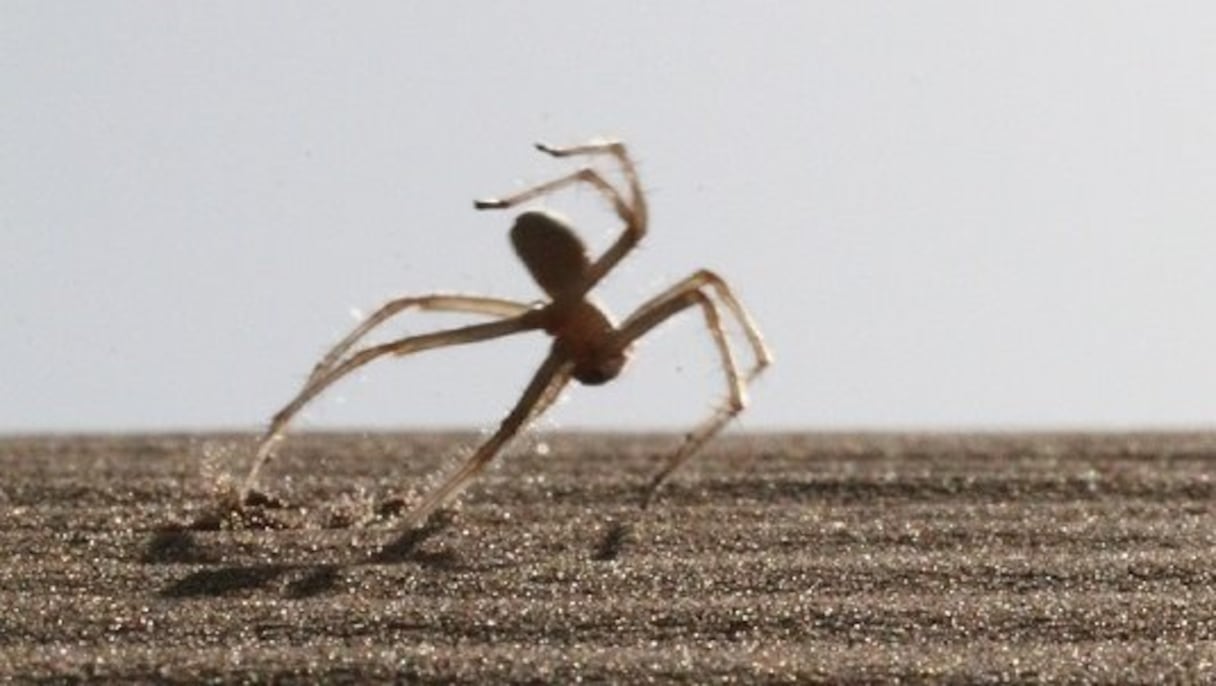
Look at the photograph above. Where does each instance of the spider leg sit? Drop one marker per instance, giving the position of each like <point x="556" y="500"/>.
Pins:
<point x="544" y="388"/>
<point x="319" y="381"/>
<point x="550" y="397"/>
<point x="637" y="218"/>
<point x="471" y="304"/>
<point x="632" y="211"/>
<point x="683" y="295"/>
<point x="703" y="277"/>
<point x="584" y="175"/>
<point x="610" y="147"/>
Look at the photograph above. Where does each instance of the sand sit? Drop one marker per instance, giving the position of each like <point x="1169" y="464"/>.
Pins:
<point x="771" y="558"/>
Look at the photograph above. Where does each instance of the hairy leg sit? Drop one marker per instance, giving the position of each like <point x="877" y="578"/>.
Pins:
<point x="636" y="216"/>
<point x="703" y="277"/>
<point x="405" y="346"/>
<point x="632" y="211"/>
<point x="438" y="302"/>
<point x="546" y="384"/>
<point x="683" y="294"/>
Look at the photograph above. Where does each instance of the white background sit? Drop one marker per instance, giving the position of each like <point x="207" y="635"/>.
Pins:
<point x="942" y="214"/>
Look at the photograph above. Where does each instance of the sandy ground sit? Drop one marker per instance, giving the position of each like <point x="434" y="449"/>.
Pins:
<point x="830" y="558"/>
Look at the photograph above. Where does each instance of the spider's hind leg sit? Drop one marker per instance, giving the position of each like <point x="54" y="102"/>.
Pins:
<point x="685" y="294"/>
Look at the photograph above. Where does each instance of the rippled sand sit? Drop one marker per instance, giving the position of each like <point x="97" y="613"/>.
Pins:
<point x="831" y="558"/>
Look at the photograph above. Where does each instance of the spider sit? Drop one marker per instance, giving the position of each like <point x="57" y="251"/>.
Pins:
<point x="588" y="345"/>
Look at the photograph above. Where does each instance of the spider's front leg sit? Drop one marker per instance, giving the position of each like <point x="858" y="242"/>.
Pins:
<point x="637" y="199"/>
<point x="586" y="175"/>
<point x="630" y="207"/>
<point x="542" y="391"/>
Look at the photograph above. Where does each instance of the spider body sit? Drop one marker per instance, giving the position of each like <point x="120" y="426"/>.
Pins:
<point x="553" y="253"/>
<point x="586" y="334"/>
<point x="558" y="260"/>
<point x="588" y="346"/>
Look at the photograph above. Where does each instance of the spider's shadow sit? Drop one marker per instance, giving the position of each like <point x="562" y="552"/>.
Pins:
<point x="405" y="548"/>
<point x="617" y="536"/>
<point x="224" y="580"/>
<point x="315" y="581"/>
<point x="172" y="546"/>
<point x="180" y="546"/>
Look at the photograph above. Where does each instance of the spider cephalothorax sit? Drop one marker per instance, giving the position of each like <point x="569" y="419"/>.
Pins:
<point x="588" y="346"/>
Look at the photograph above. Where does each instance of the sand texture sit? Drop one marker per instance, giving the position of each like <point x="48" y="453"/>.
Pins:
<point x="771" y="558"/>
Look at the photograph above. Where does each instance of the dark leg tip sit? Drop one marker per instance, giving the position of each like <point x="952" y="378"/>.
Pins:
<point x="616" y="537"/>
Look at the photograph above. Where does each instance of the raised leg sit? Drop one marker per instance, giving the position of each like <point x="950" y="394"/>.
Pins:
<point x="637" y="220"/>
<point x="585" y="175"/>
<point x="545" y="386"/>
<point x="637" y="200"/>
<point x="405" y="346"/>
<point x="632" y="210"/>
<point x="440" y="302"/>
<point x="672" y="301"/>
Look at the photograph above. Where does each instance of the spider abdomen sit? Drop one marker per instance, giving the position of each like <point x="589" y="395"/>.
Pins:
<point x="554" y="255"/>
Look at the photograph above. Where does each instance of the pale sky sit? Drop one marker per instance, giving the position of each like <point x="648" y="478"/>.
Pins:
<point x="942" y="214"/>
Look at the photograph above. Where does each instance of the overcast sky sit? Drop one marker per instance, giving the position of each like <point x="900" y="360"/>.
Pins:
<point x="942" y="214"/>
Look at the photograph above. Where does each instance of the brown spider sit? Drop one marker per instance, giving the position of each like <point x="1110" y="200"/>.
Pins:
<point x="587" y="345"/>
